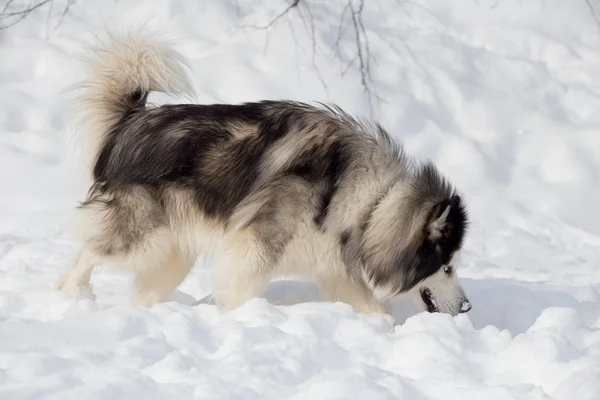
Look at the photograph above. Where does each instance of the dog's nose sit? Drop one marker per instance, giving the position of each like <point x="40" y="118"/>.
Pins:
<point x="465" y="307"/>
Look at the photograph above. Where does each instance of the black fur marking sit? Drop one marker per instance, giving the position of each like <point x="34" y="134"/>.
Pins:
<point x="279" y="122"/>
<point x="425" y="263"/>
<point x="369" y="215"/>
<point x="136" y="99"/>
<point x="196" y="147"/>
<point x="336" y="161"/>
<point x="344" y="237"/>
<point x="324" y="205"/>
<point x="221" y="188"/>
<point x="157" y="145"/>
<point x="275" y="223"/>
<point x="431" y="255"/>
<point x="453" y="232"/>
<point x="315" y="166"/>
<point x="179" y="144"/>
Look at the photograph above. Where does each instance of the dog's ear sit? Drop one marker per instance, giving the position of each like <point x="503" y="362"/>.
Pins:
<point x="444" y="217"/>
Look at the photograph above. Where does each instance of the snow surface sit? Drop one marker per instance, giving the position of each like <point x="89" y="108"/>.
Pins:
<point x="503" y="95"/>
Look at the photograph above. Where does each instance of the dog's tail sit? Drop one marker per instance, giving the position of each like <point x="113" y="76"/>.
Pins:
<point x="123" y="70"/>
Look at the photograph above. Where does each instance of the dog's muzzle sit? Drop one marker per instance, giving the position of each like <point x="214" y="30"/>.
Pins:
<point x="428" y="300"/>
<point x="465" y="306"/>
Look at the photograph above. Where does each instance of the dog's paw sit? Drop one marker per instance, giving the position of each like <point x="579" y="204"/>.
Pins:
<point x="146" y="299"/>
<point x="78" y="292"/>
<point x="381" y="322"/>
<point x="284" y="302"/>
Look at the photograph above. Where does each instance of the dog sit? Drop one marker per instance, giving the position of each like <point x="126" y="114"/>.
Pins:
<point x="271" y="188"/>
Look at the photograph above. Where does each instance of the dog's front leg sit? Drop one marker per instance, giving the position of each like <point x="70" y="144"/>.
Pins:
<point x="242" y="272"/>
<point x="344" y="289"/>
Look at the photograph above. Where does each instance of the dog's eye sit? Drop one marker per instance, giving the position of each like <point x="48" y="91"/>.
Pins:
<point x="448" y="269"/>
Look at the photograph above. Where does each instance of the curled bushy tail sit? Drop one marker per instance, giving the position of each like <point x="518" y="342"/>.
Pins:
<point x="122" y="71"/>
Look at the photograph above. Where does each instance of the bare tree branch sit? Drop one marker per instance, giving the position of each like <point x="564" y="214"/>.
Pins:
<point x="593" y="11"/>
<point x="309" y="25"/>
<point x="14" y="22"/>
<point x="363" y="53"/>
<point x="350" y="22"/>
<point x="341" y="26"/>
<point x="8" y="3"/>
<point x="61" y="18"/>
<point x="282" y="14"/>
<point x="10" y="18"/>
<point x="351" y="17"/>
<point x="27" y="10"/>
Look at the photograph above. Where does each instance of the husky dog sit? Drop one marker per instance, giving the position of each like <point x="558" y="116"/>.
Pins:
<point x="271" y="188"/>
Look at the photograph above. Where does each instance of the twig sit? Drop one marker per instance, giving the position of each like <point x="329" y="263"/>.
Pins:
<point x="341" y="28"/>
<point x="24" y="13"/>
<point x="363" y="52"/>
<point x="62" y="17"/>
<point x="279" y="16"/>
<point x="593" y="12"/>
<point x="8" y="3"/>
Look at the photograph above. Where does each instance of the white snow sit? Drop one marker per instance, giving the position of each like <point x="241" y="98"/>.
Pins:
<point x="503" y="95"/>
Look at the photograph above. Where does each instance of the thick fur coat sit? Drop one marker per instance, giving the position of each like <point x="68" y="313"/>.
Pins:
<point x="270" y="188"/>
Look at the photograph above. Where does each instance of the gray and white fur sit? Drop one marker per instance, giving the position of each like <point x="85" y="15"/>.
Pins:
<point x="271" y="188"/>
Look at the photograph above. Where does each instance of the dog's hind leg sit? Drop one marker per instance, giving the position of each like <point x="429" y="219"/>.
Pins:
<point x="76" y="280"/>
<point x="126" y="228"/>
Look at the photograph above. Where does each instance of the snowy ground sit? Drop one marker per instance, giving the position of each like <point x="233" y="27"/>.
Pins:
<point x="503" y="95"/>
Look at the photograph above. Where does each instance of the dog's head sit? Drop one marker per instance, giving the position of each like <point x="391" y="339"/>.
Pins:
<point x="411" y="245"/>
<point x="439" y="252"/>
